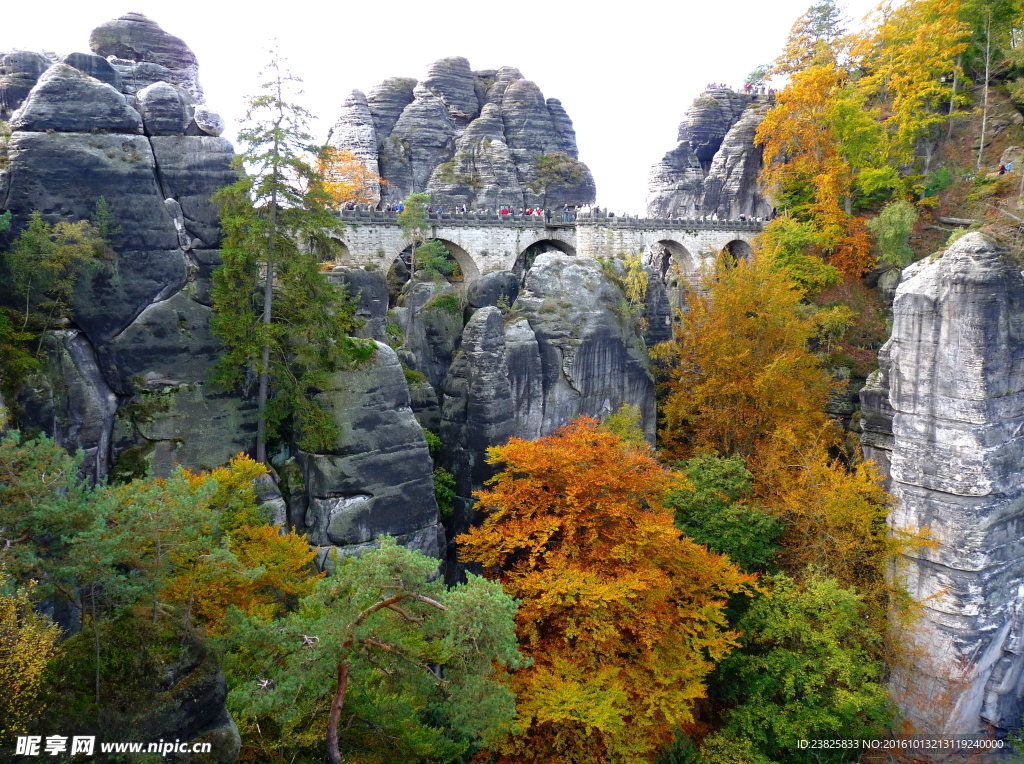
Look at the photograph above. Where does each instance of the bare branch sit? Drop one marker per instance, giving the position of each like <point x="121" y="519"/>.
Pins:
<point x="428" y="601"/>
<point x="377" y="606"/>
<point x="406" y="616"/>
<point x="1009" y="215"/>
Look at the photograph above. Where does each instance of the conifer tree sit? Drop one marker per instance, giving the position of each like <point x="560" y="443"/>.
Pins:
<point x="275" y="312"/>
<point x="413" y="220"/>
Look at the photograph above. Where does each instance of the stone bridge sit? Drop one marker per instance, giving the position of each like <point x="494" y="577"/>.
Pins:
<point x="482" y="242"/>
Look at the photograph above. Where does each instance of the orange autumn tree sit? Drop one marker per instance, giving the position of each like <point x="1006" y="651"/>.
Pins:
<point x="347" y="178"/>
<point x="622" y="616"/>
<point x="248" y="563"/>
<point x="808" y="171"/>
<point x="740" y="365"/>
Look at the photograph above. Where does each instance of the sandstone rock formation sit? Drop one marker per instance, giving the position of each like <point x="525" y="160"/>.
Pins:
<point x="144" y="53"/>
<point x="714" y="167"/>
<point x="465" y="137"/>
<point x="19" y="72"/>
<point x="141" y="344"/>
<point x="944" y="414"/>
<point x="128" y="381"/>
<point x="562" y="351"/>
<point x="378" y="477"/>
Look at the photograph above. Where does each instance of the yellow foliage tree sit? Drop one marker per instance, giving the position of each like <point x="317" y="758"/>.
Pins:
<point x="28" y="641"/>
<point x="254" y="568"/>
<point x="808" y="165"/>
<point x="347" y="178"/>
<point x="739" y="366"/>
<point x="909" y="56"/>
<point x="622" y="616"/>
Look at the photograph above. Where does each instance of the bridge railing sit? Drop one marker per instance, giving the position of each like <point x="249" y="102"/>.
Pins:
<point x="559" y="218"/>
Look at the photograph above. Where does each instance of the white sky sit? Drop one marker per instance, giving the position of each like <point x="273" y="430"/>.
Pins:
<point x="625" y="72"/>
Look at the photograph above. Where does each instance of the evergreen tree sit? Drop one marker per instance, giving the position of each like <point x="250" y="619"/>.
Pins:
<point x="413" y="220"/>
<point x="381" y="661"/>
<point x="275" y="312"/>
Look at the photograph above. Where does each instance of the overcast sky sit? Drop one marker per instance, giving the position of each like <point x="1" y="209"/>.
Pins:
<point x="625" y="72"/>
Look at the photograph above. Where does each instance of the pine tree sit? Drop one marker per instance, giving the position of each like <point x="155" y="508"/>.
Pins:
<point x="276" y="221"/>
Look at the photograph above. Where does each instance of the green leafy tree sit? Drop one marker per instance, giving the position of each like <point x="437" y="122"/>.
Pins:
<point x="716" y="511"/>
<point x="381" y="660"/>
<point x="274" y="311"/>
<point x="44" y="265"/>
<point x="627" y="425"/>
<point x="758" y="74"/>
<point x="892" y="228"/>
<point x="808" y="669"/>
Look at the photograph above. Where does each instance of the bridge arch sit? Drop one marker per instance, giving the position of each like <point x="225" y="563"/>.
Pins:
<point x="669" y="253"/>
<point x="739" y="249"/>
<point x="467" y="265"/>
<point x="470" y="271"/>
<point x="679" y="269"/>
<point x="526" y="257"/>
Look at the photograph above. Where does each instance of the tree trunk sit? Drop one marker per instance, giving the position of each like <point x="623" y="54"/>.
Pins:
<point x="412" y="293"/>
<point x="984" y="104"/>
<point x="268" y="296"/>
<point x="333" y="752"/>
<point x="96" y="639"/>
<point x="952" y="97"/>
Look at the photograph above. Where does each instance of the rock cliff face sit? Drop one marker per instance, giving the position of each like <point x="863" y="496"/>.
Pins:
<point x="466" y="137"/>
<point x="131" y="377"/>
<point x="378" y="477"/>
<point x="714" y="167"/>
<point x="945" y="414"/>
<point x="128" y="380"/>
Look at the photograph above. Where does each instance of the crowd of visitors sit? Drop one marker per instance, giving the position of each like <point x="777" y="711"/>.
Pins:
<point x="750" y="88"/>
<point x="568" y="213"/>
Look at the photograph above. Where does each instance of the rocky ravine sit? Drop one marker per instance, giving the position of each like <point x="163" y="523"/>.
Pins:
<point x="944" y="416"/>
<point x="465" y="137"/>
<point x="128" y="380"/>
<point x="714" y="167"/>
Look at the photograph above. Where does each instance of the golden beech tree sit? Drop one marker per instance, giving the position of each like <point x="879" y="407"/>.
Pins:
<point x="347" y="178"/>
<point x="28" y="641"/>
<point x="834" y="513"/>
<point x="253" y="567"/>
<point x="908" y="59"/>
<point x="622" y="616"/>
<point x="808" y="164"/>
<point x="740" y="366"/>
